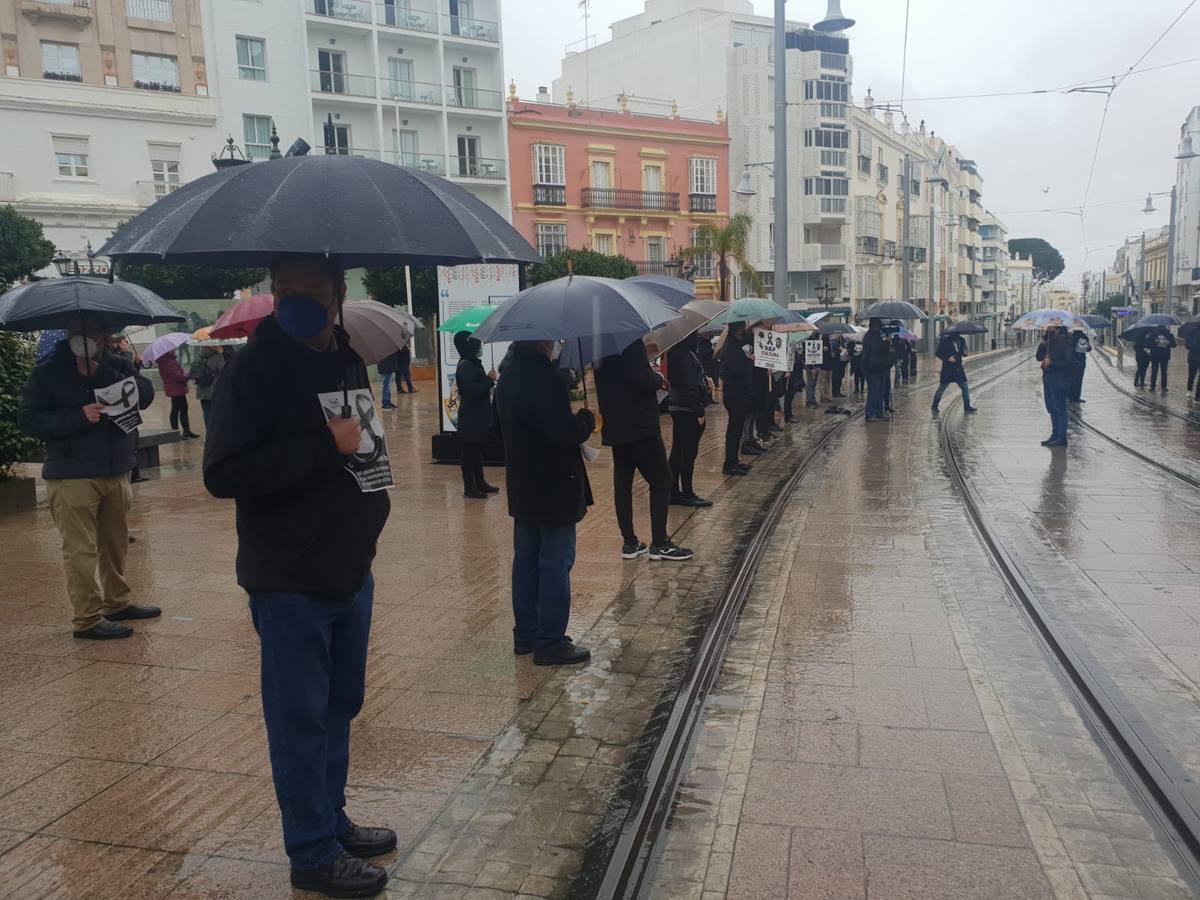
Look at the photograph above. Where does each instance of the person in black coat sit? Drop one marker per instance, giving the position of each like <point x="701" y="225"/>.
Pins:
<point x="686" y="405"/>
<point x="88" y="461"/>
<point x="474" y="415"/>
<point x="548" y="494"/>
<point x="795" y="382"/>
<point x="877" y="365"/>
<point x="627" y="391"/>
<point x="737" y="393"/>
<point x="1082" y="347"/>
<point x="704" y="352"/>
<point x="1161" y="343"/>
<point x="307" y="532"/>
<point x="839" y="359"/>
<point x="1141" y="353"/>
<point x="1057" y="357"/>
<point x="1193" y="345"/>
<point x="952" y="350"/>
<point x="856" y="369"/>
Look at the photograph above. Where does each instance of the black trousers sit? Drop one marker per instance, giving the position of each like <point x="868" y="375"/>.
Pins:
<point x="179" y="414"/>
<point x="685" y="444"/>
<point x="795" y="385"/>
<point x="1143" y="363"/>
<point x="1157" y="366"/>
<point x="860" y="380"/>
<point x="838" y="376"/>
<point x="470" y="459"/>
<point x="649" y="457"/>
<point x="1193" y="368"/>
<point x="734" y="427"/>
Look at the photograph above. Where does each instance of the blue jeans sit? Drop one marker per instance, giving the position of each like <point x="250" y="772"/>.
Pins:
<point x="877" y="383"/>
<point x="314" y="665"/>
<point x="387" y="388"/>
<point x="810" y="385"/>
<point x="962" y="386"/>
<point x="541" y="582"/>
<point x="1056" y="388"/>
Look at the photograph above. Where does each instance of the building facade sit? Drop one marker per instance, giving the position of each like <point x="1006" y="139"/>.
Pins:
<point x="1187" y="219"/>
<point x="624" y="183"/>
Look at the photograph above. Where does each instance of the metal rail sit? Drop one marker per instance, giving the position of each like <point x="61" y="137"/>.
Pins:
<point x="1115" y="381"/>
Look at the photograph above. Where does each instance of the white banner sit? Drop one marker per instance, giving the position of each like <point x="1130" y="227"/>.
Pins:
<point x="772" y="350"/>
<point x="120" y="401"/>
<point x="459" y="288"/>
<point x="813" y="353"/>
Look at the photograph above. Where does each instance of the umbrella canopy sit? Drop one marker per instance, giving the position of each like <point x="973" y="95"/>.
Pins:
<point x="966" y="328"/>
<point x="362" y="212"/>
<point x="1048" y="318"/>
<point x="891" y="309"/>
<point x="202" y="334"/>
<point x="243" y="317"/>
<point x="467" y="319"/>
<point x="676" y="291"/>
<point x="376" y="330"/>
<point x="692" y="317"/>
<point x="750" y="309"/>
<point x="52" y="302"/>
<point x="794" y="322"/>
<point x="1155" y="319"/>
<point x="1189" y="327"/>
<point x="595" y="317"/>
<point x="48" y="340"/>
<point x="830" y="328"/>
<point x="1096" y="323"/>
<point x="168" y="343"/>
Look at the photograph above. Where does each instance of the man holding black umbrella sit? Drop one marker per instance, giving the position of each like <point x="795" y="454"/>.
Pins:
<point x="306" y="539"/>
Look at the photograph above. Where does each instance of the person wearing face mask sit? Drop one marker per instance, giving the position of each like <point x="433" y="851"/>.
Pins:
<point x="88" y="460"/>
<point x="307" y="536"/>
<point x="474" y="415"/>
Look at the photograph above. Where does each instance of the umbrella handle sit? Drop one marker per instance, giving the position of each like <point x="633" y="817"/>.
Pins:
<point x="338" y="281"/>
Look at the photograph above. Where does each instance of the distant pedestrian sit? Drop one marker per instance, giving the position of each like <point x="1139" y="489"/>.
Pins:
<point x="1056" y="356"/>
<point x="686" y="405"/>
<point x="737" y="393"/>
<point x="903" y="352"/>
<point x="205" y="371"/>
<point x="1161" y="343"/>
<point x="627" y="389"/>
<point x="387" y="371"/>
<point x="548" y="494"/>
<point x="795" y="382"/>
<point x="1081" y="347"/>
<point x="704" y="352"/>
<point x="175" y="386"/>
<point x="404" y="369"/>
<point x="1141" y="353"/>
<point x="840" y="360"/>
<point x="856" y="367"/>
<point x="952" y="350"/>
<point x="764" y="417"/>
<point x="877" y="366"/>
<point x="474" y="415"/>
<point x="1193" y="345"/>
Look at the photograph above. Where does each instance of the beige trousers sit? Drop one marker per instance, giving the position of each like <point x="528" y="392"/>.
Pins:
<point x="91" y="514"/>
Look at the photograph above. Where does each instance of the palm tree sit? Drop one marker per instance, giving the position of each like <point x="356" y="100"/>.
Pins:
<point x="728" y="244"/>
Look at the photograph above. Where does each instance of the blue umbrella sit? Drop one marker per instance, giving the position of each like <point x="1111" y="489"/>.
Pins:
<point x="1096" y="322"/>
<point x="48" y="341"/>
<point x="676" y="291"/>
<point x="1154" y="320"/>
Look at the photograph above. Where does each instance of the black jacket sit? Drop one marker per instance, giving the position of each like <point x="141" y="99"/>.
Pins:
<point x="876" y="355"/>
<point x="1141" y="347"/>
<point x="1161" y="343"/>
<point x="474" y="396"/>
<point x="1193" y="345"/>
<point x="544" y="471"/>
<point x="1061" y="352"/>
<point x="51" y="410"/>
<point x="1081" y="347"/>
<point x="387" y="365"/>
<point x="686" y="376"/>
<point x="737" y="370"/>
<point x="952" y="345"/>
<point x="627" y="390"/>
<point x="303" y="524"/>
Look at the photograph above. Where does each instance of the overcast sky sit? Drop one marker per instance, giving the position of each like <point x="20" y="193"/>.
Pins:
<point x="1022" y="144"/>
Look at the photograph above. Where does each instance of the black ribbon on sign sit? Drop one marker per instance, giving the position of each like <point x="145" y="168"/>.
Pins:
<point x="366" y="419"/>
<point x="128" y="390"/>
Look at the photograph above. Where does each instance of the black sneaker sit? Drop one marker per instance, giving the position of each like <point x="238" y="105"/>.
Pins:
<point x="524" y="646"/>
<point x="694" y="502"/>
<point x="735" y="470"/>
<point x="751" y="450"/>
<point x="489" y="488"/>
<point x="633" y="551"/>
<point x="133" y="611"/>
<point x="970" y="409"/>
<point x="561" y="654"/>
<point x="346" y="876"/>
<point x="934" y="410"/>
<point x="670" y="552"/>
<point x="105" y="630"/>
<point x="474" y="494"/>
<point x="367" y="842"/>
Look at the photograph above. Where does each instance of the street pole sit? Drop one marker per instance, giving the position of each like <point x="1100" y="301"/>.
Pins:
<point x="1171" y="258"/>
<point x="905" y="292"/>
<point x="934" y="307"/>
<point x="779" y="292"/>
<point x="1142" y="277"/>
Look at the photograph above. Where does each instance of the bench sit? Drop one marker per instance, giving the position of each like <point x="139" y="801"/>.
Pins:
<point x="148" y="444"/>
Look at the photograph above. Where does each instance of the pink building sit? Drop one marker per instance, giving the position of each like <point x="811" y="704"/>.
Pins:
<point x="616" y="182"/>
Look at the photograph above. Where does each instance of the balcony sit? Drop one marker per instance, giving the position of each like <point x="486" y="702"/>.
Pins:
<point x="469" y="27"/>
<point x="816" y="256"/>
<point x="400" y="16"/>
<point x="824" y="207"/>
<point x="360" y="152"/>
<point x="357" y="11"/>
<point x="149" y="10"/>
<point x="422" y="162"/>
<point x="917" y="254"/>
<point x="477" y="167"/>
<point x="62" y="76"/>
<point x="549" y="195"/>
<point x="151" y="191"/>
<point x="425" y="92"/>
<point x="867" y="245"/>
<point x="325" y="82"/>
<point x="620" y="198"/>
<point x="655" y="267"/>
<point x="474" y="98"/>
<point x="79" y="11"/>
<point x="889" y="249"/>
<point x="702" y="203"/>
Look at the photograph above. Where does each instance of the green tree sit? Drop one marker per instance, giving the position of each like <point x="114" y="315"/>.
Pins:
<point x="583" y="262"/>
<point x="1105" y="306"/>
<point x="23" y="247"/>
<point x="1048" y="263"/>
<point x="387" y="286"/>
<point x="726" y="243"/>
<point x="16" y="361"/>
<point x="188" y="282"/>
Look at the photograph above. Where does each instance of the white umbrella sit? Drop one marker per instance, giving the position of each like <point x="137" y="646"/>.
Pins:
<point x="168" y="343"/>
<point x="376" y="330"/>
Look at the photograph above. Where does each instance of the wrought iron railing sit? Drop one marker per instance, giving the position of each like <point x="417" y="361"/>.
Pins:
<point x="622" y="198"/>
<point x="550" y="195"/>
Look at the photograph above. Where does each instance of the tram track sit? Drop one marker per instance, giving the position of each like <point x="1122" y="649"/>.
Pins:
<point x="1165" y="788"/>
<point x="1191" y="418"/>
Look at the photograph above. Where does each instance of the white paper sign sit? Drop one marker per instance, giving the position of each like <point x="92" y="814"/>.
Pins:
<point x="120" y="402"/>
<point x="813" y="353"/>
<point x="370" y="464"/>
<point x="771" y="350"/>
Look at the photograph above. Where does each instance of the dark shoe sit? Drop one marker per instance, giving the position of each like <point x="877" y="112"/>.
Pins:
<point x="633" y="551"/>
<point x="813" y="405"/>
<point x="671" y="553"/>
<point x="190" y="435"/>
<point x="752" y="450"/>
<point x="488" y="488"/>
<point x="346" y="876"/>
<point x="524" y="646"/>
<point x="474" y="494"/>
<point x="776" y="428"/>
<point x="790" y="420"/>
<point x="391" y="405"/>
<point x="933" y="409"/>
<point x="1060" y="442"/>
<point x="367" y="842"/>
<point x="562" y="654"/>
<point x="1047" y="442"/>
<point x="694" y="502"/>
<point x="735" y="470"/>
<point x="105" y="630"/>
<point x="133" y="611"/>
<point x="970" y="409"/>
<point x="138" y="479"/>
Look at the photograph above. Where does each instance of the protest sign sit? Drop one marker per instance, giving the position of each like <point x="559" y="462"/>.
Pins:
<point x="813" y="354"/>
<point x="771" y="350"/>
<point x="120" y="403"/>
<point x="370" y="464"/>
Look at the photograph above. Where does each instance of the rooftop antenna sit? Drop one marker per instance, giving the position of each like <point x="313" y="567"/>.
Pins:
<point x="586" y="6"/>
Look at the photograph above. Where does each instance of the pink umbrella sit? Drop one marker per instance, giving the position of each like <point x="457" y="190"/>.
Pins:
<point x="243" y="317"/>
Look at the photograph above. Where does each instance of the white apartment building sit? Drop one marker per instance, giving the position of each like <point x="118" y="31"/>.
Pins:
<point x="1187" y="219"/>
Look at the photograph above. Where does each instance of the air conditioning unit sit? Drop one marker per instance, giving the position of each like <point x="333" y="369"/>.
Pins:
<point x="793" y="298"/>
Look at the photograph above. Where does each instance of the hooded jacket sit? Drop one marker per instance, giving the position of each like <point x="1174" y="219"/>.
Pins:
<point x="627" y="390"/>
<point x="1161" y="342"/>
<point x="303" y="524"/>
<point x="474" y="391"/>
<point x="174" y="379"/>
<point x="51" y="410"/>
<point x="952" y="345"/>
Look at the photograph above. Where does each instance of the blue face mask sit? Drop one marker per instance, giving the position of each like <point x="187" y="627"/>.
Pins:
<point x="301" y="317"/>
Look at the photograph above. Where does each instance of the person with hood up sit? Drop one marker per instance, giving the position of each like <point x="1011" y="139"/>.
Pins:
<point x="474" y="415"/>
<point x="1082" y="347"/>
<point x="686" y="405"/>
<point x="737" y="393"/>
<point x="1161" y="343"/>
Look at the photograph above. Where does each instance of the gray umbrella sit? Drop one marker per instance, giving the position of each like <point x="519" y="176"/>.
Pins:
<point x="966" y="328"/>
<point x="52" y="302"/>
<point x="361" y="212"/>
<point x="891" y="309"/>
<point x="676" y="291"/>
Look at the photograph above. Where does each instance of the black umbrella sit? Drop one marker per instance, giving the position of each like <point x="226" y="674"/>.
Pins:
<point x="52" y="302"/>
<point x="835" y="328"/>
<point x="361" y="212"/>
<point x="966" y="328"/>
<point x="891" y="309"/>
<point x="1188" y="328"/>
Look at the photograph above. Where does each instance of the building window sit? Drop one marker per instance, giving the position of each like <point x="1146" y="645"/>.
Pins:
<point x="834" y="61"/>
<point x="164" y="168"/>
<point x="825" y="89"/>
<point x="406" y="147"/>
<point x="154" y="10"/>
<point x="60" y="62"/>
<point x="601" y="174"/>
<point x="252" y="58"/>
<point x="155" y="73"/>
<point x="833" y="110"/>
<point x="833" y="138"/>
<point x="71" y="157"/>
<point x="656" y="254"/>
<point x="550" y="164"/>
<point x="702" y="173"/>
<point x="704" y="262"/>
<point x="771" y="241"/>
<point x="551" y="239"/>
<point x="881" y="174"/>
<point x="603" y="243"/>
<point x="868" y="282"/>
<point x="836" y="187"/>
<point x="869" y="221"/>
<point x="257" y="132"/>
